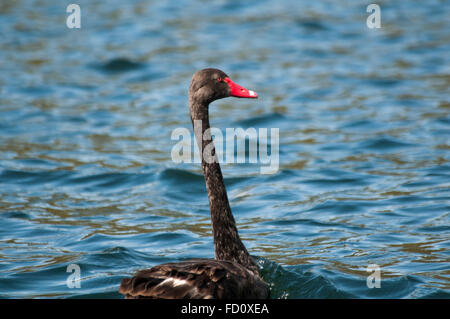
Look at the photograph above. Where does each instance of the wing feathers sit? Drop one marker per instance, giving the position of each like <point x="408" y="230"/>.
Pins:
<point x="195" y="279"/>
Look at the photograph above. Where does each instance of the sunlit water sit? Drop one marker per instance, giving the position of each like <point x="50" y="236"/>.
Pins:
<point x="86" y="116"/>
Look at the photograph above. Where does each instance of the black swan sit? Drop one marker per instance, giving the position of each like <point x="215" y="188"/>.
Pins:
<point x="233" y="273"/>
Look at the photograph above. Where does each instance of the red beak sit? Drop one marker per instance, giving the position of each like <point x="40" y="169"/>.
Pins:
<point x="239" y="91"/>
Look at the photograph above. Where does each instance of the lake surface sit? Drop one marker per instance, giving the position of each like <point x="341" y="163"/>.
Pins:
<point x="86" y="116"/>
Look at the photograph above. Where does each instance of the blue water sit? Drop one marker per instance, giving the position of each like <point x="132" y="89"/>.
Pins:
<point x="86" y="116"/>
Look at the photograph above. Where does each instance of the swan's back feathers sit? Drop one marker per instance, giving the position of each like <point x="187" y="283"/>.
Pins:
<point x="195" y="279"/>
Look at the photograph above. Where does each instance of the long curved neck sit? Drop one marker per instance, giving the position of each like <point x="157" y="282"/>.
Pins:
<point x="227" y="244"/>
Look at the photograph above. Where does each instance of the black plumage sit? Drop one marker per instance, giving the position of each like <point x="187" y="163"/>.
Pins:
<point x="195" y="279"/>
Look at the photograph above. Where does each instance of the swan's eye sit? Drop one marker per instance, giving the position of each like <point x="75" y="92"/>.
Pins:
<point x="219" y="79"/>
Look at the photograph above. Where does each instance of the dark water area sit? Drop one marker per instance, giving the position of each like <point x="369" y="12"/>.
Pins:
<point x="86" y="116"/>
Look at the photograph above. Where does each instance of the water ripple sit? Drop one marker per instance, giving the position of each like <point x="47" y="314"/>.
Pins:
<point x="86" y="175"/>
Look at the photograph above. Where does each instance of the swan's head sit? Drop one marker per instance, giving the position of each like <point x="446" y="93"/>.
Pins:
<point x="209" y="85"/>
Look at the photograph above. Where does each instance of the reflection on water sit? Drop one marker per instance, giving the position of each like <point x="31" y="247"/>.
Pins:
<point x="86" y="115"/>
